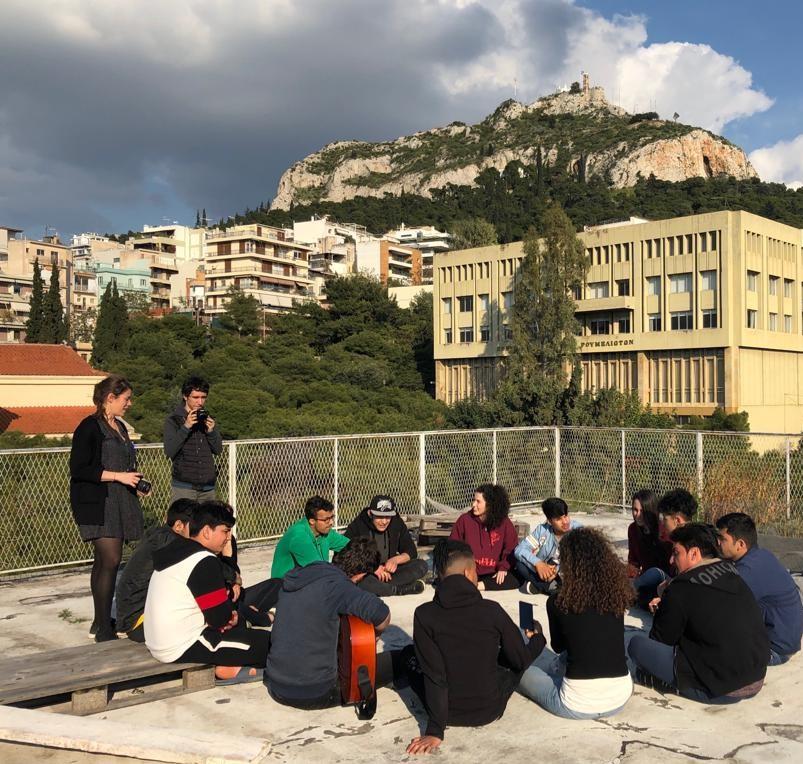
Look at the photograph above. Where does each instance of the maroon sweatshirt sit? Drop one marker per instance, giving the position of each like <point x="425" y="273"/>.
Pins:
<point x="643" y="552"/>
<point x="492" y="549"/>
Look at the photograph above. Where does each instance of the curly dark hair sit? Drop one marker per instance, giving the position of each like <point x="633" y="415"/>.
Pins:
<point x="592" y="576"/>
<point x="360" y="556"/>
<point x="497" y="504"/>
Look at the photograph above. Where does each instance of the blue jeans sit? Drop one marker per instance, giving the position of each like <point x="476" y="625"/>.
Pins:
<point x="658" y="660"/>
<point x="646" y="585"/>
<point x="528" y="575"/>
<point x="777" y="659"/>
<point x="544" y="689"/>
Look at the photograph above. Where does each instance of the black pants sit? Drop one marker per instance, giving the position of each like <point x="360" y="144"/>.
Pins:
<point x="512" y="581"/>
<point x="238" y="647"/>
<point x="262" y="596"/>
<point x="390" y="667"/>
<point x="405" y="574"/>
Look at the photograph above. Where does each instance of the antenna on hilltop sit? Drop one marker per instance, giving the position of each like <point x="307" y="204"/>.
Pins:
<point x="515" y="88"/>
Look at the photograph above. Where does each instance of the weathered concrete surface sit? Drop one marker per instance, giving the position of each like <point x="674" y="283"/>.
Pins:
<point x="652" y="727"/>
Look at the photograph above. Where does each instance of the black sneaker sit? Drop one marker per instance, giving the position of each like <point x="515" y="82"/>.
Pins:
<point x="106" y="635"/>
<point x="416" y="587"/>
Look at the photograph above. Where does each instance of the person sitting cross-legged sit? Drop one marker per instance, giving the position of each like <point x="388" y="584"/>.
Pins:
<point x="586" y="620"/>
<point x="772" y="586"/>
<point x="538" y="555"/>
<point x="647" y="553"/>
<point x="399" y="571"/>
<point x="309" y="539"/>
<point x="488" y="530"/>
<point x="470" y="654"/>
<point x="708" y="639"/>
<point x="189" y="617"/>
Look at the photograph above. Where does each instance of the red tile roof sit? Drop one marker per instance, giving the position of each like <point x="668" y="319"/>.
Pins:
<point x="43" y="420"/>
<point x="44" y="360"/>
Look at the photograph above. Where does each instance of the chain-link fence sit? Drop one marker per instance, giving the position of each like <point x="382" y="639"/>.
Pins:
<point x="268" y="481"/>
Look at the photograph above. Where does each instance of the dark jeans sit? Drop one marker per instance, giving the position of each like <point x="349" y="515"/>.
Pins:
<point x="658" y="660"/>
<point x="389" y="669"/>
<point x="512" y="581"/>
<point x="646" y="585"/>
<point x="528" y="575"/>
<point x="405" y="574"/>
<point x="239" y="646"/>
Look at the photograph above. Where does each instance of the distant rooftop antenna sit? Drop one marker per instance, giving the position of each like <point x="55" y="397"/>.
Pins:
<point x="676" y="116"/>
<point x="515" y="88"/>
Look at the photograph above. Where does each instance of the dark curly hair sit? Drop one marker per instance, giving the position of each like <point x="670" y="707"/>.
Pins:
<point x="360" y="556"/>
<point x="592" y="576"/>
<point x="497" y="504"/>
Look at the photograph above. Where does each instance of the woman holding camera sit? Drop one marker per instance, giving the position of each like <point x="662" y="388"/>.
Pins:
<point x="103" y="492"/>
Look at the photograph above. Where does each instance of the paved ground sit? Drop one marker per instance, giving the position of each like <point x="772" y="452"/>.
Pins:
<point x="43" y="613"/>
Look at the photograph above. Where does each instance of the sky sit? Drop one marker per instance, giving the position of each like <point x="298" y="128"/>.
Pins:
<point x="119" y="113"/>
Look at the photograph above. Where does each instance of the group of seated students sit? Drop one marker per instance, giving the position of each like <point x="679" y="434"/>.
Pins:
<point x="724" y="609"/>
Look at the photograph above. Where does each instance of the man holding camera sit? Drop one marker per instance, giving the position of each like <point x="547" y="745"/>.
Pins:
<point x="191" y="442"/>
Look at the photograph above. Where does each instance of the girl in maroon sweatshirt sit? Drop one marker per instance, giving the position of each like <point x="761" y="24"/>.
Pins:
<point x="487" y="529"/>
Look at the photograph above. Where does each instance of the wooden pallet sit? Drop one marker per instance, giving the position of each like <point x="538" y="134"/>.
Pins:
<point x="97" y="677"/>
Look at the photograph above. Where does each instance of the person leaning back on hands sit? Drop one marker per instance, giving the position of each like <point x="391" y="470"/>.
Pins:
<point x="103" y="495"/>
<point x="191" y="442"/>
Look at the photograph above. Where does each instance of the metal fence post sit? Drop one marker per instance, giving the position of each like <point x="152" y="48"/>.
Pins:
<point x="336" y="467"/>
<point x="788" y="480"/>
<point x="557" y="461"/>
<point x="233" y="475"/>
<point x="624" y="477"/>
<point x="422" y="473"/>
<point x="494" y="458"/>
<point x="699" y="464"/>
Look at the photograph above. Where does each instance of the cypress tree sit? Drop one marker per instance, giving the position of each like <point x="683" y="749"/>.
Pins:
<point x="197" y="218"/>
<point x="111" y="326"/>
<point x="54" y="327"/>
<point x="204" y="218"/>
<point x="33" y="326"/>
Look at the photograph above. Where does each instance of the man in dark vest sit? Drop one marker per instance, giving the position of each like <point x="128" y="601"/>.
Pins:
<point x="191" y="441"/>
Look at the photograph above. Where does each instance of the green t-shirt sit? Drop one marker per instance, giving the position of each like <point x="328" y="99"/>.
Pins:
<point x="300" y="546"/>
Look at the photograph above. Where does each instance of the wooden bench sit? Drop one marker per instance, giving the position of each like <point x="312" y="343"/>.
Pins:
<point x="97" y="677"/>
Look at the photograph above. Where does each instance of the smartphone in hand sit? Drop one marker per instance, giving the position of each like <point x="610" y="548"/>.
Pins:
<point x="526" y="620"/>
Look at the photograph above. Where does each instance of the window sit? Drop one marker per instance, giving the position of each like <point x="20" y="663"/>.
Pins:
<point x="773" y="326"/>
<point x="484" y="303"/>
<point x="507" y="332"/>
<point x="485" y="333"/>
<point x="624" y="325"/>
<point x="774" y="285"/>
<point x="143" y="282"/>
<point x="465" y="303"/>
<point x="655" y="322"/>
<point x="447" y="336"/>
<point x="507" y="300"/>
<point x="623" y="287"/>
<point x="100" y="279"/>
<point x="447" y="306"/>
<point x="577" y="292"/>
<point x="752" y="281"/>
<point x="710" y="318"/>
<point x="598" y="290"/>
<point x="680" y="282"/>
<point x="40" y="252"/>
<point x="787" y="287"/>
<point x="600" y="326"/>
<point x="654" y="286"/>
<point x="467" y="334"/>
<point x="681" y="320"/>
<point x="787" y="324"/>
<point x="752" y="319"/>
<point x="709" y="279"/>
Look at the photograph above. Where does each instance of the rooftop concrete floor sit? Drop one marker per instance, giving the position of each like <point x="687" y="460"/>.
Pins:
<point x="652" y="727"/>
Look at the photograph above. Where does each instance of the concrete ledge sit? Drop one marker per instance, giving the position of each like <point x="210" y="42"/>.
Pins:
<point x="18" y="725"/>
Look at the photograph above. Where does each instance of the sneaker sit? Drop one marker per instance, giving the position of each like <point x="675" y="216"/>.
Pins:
<point x="106" y="636"/>
<point x="531" y="588"/>
<point x="93" y="629"/>
<point x="416" y="587"/>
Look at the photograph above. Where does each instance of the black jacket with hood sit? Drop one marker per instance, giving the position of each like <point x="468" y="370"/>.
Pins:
<point x="395" y="540"/>
<point x="459" y="638"/>
<point x="712" y="617"/>
<point x="302" y="663"/>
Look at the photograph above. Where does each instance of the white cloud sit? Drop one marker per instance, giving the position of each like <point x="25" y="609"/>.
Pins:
<point x="781" y="162"/>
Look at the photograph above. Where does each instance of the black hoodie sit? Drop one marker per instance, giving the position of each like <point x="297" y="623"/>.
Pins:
<point x="712" y="616"/>
<point x="395" y="540"/>
<point x="459" y="638"/>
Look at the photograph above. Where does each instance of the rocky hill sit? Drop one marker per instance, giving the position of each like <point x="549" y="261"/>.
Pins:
<point x="582" y="131"/>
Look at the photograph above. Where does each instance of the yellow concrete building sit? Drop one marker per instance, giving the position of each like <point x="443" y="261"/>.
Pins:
<point x="692" y="313"/>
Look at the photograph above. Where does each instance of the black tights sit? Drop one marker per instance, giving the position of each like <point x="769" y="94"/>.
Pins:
<point x="108" y="552"/>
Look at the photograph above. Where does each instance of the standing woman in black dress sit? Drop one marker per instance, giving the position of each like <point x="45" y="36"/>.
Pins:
<point x="103" y="496"/>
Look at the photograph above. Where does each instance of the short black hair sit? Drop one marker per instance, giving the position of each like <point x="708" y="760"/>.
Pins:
<point x="447" y="552"/>
<point x="554" y="508"/>
<point x="194" y="383"/>
<point x="360" y="556"/>
<point x="181" y="509"/>
<point x="678" y="502"/>
<point x="315" y="504"/>
<point x="738" y="525"/>
<point x="700" y="535"/>
<point x="211" y="513"/>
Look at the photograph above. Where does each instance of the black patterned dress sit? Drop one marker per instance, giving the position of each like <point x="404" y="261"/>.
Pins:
<point x="122" y="515"/>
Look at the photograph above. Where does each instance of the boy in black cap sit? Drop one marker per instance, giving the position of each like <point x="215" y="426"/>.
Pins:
<point x="400" y="571"/>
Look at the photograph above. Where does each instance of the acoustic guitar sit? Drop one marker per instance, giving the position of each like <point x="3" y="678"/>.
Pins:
<point x="356" y="661"/>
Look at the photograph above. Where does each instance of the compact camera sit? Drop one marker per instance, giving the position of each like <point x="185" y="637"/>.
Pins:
<point x="201" y="416"/>
<point x="143" y="486"/>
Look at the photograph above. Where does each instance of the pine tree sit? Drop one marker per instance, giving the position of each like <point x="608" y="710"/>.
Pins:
<point x="111" y="326"/>
<point x="54" y="327"/>
<point x="33" y="326"/>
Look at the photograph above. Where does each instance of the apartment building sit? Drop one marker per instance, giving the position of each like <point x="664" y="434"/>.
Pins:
<point x="428" y="240"/>
<point x="693" y="313"/>
<point x="179" y="241"/>
<point x="389" y="262"/>
<point x="258" y="260"/>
